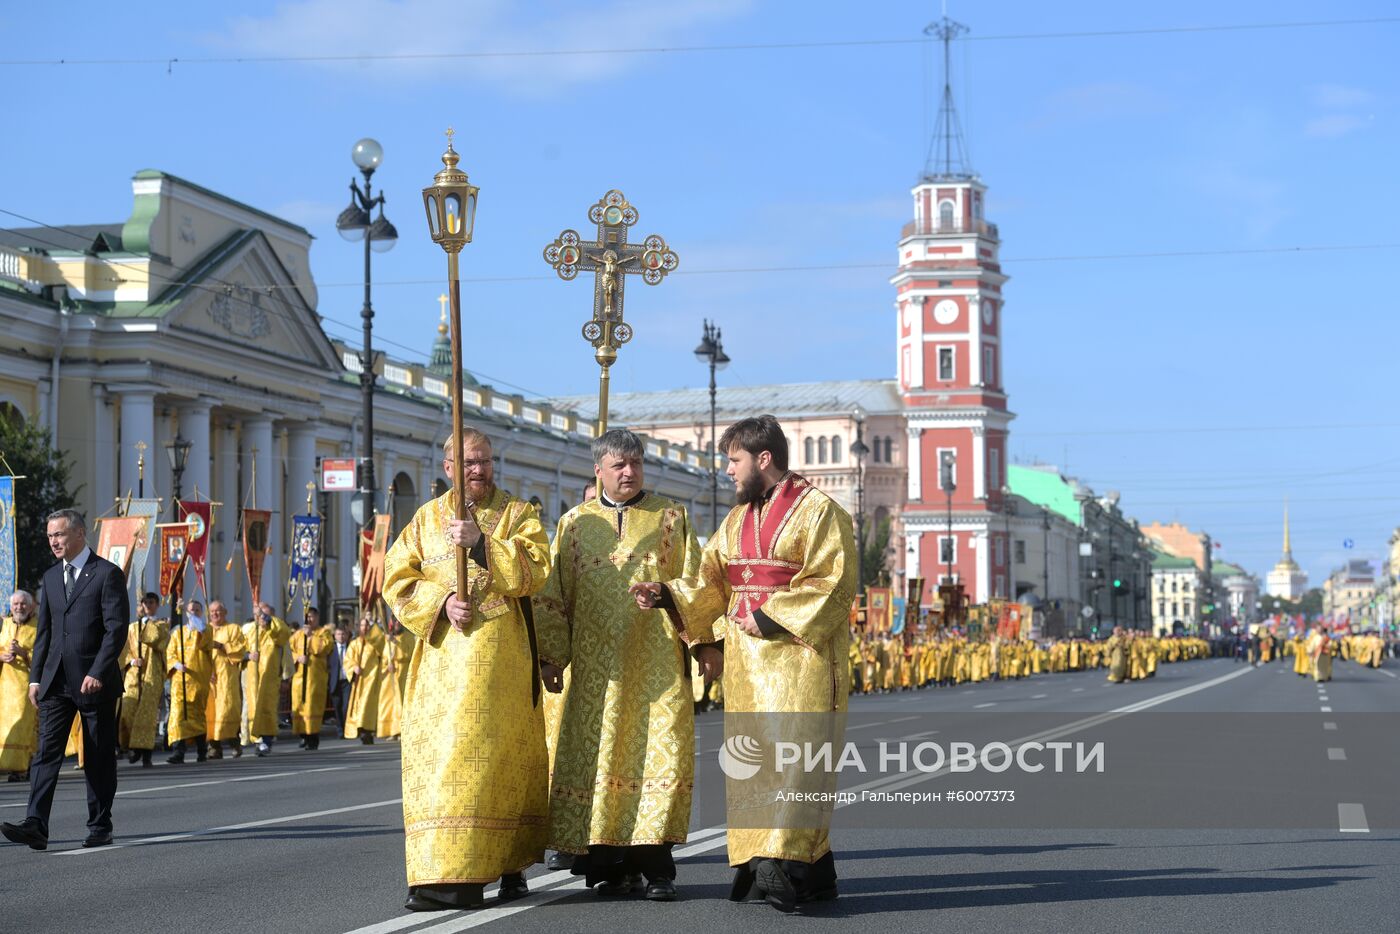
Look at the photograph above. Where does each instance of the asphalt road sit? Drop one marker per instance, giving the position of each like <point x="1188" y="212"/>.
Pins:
<point x="312" y="842"/>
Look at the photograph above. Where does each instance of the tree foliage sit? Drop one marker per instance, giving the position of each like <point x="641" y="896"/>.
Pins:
<point x="29" y="451"/>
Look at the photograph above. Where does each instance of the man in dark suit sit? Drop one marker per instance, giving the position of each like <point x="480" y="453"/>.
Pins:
<point x="83" y="616"/>
<point x="338" y="679"/>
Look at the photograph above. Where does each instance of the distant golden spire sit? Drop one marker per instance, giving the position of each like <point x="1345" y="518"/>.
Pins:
<point x="1286" y="563"/>
<point x="442" y="317"/>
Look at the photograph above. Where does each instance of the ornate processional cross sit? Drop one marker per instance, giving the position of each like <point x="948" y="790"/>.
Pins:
<point x="610" y="257"/>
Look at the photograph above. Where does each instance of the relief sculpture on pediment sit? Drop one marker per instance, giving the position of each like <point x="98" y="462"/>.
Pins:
<point x="238" y="310"/>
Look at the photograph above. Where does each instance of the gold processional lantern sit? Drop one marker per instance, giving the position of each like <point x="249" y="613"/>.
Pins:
<point x="451" y="205"/>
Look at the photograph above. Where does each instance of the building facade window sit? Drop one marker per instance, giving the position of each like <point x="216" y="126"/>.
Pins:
<point x="1020" y="551"/>
<point x="821" y="450"/>
<point x="836" y="449"/>
<point x="945" y="215"/>
<point x="945" y="549"/>
<point x="946" y="370"/>
<point x="809" y="450"/>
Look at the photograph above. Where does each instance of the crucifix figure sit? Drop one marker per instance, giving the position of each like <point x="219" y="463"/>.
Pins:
<point x="611" y="258"/>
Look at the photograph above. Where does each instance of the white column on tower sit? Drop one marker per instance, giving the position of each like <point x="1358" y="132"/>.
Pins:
<point x="222" y="585"/>
<point x="979" y="462"/>
<point x="138" y="423"/>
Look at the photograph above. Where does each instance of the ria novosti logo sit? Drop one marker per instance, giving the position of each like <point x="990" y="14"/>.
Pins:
<point x="740" y="757"/>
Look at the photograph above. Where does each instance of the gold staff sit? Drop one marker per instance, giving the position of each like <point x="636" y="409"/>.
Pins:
<point x="451" y="205"/>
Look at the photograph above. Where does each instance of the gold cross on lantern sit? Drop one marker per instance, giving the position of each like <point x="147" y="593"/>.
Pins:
<point x="610" y="257"/>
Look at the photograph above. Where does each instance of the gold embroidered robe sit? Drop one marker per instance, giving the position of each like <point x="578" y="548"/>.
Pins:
<point x="624" y="766"/>
<point x="262" y="679"/>
<point x="142" y="687"/>
<point x="801" y="670"/>
<point x="393" y="674"/>
<point x="475" y="780"/>
<point x="362" y="711"/>
<point x="19" y="721"/>
<point x="189" y="691"/>
<point x="309" y="681"/>
<point x="225" y="706"/>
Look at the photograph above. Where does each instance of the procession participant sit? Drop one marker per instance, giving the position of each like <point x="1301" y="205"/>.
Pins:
<point x="19" y="719"/>
<point x="143" y="661"/>
<point x="362" y="665"/>
<point x="338" y="677"/>
<point x="189" y="666"/>
<point x="311" y="646"/>
<point x="398" y="649"/>
<point x="782" y="570"/>
<point x="624" y="767"/>
<point x="225" y="705"/>
<point x="1117" y="648"/>
<point x="262" y="675"/>
<point x="475" y="779"/>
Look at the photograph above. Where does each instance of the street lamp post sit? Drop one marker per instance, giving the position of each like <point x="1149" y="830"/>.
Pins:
<point x="1009" y="510"/>
<point x="858" y="451"/>
<point x="179" y="453"/>
<point x="711" y="351"/>
<point x="1045" y="553"/>
<point x="379" y="236"/>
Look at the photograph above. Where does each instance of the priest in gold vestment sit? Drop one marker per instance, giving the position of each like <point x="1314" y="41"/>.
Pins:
<point x="475" y="779"/>
<point x="393" y="674"/>
<point x="262" y="675"/>
<point x="143" y="680"/>
<point x="189" y="667"/>
<point x="624" y="766"/>
<point x="225" y="705"/>
<point x="782" y="570"/>
<point x="311" y="646"/>
<point x="19" y="719"/>
<point x="362" y="660"/>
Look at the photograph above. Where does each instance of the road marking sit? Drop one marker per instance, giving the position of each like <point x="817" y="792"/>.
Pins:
<point x="1325" y="709"/>
<point x="266" y="822"/>
<point x="1077" y="691"/>
<point x="1329" y="725"/>
<point x="1351" y="818"/>
<point x="1039" y="696"/>
<point x="217" y="781"/>
<point x="1336" y="755"/>
<point x="980" y="706"/>
<point x="1388" y="674"/>
<point x="866" y="726"/>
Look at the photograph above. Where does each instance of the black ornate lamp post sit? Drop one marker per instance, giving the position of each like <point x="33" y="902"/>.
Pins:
<point x="711" y="351"/>
<point x="858" y="451"/>
<point x="179" y="453"/>
<point x="379" y="236"/>
<point x="949" y="487"/>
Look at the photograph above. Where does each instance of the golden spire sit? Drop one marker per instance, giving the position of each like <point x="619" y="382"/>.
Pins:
<point x="1286" y="562"/>
<point x="442" y="317"/>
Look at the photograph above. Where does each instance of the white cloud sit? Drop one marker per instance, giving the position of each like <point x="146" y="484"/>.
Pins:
<point x="1340" y="97"/>
<point x="1333" y="125"/>
<point x="339" y="31"/>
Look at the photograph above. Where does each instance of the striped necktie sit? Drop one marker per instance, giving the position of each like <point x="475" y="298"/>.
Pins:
<point x="70" y="577"/>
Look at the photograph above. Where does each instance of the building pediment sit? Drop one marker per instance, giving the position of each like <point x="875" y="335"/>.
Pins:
<point x="243" y="297"/>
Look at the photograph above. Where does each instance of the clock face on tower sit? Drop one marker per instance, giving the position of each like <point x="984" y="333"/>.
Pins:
<point x="987" y="313"/>
<point x="946" y="311"/>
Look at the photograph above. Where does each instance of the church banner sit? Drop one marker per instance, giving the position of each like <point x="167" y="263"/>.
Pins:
<point x="119" y="538"/>
<point x="913" y="597"/>
<point x="174" y="540"/>
<point x="255" y="543"/>
<point x="373" y="547"/>
<point x="877" y="609"/>
<point x="9" y="567"/>
<point x="305" y="559"/>
<point x="199" y="516"/>
<point x="148" y="510"/>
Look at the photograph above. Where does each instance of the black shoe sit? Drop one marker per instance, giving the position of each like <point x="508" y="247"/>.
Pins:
<point x="557" y="861"/>
<point x="135" y="756"/>
<point x="661" y="890"/>
<point x="178" y="759"/>
<point x="777" y="888"/>
<point x="630" y="883"/>
<point x="98" y="838"/>
<point x="28" y="831"/>
<point x="145" y="758"/>
<point x="513" y="886"/>
<point x="424" y="903"/>
<point x="827" y="894"/>
<point x="18" y="776"/>
<point x="367" y="739"/>
<point x="472" y="897"/>
<point x="264" y="750"/>
<point x="742" y="889"/>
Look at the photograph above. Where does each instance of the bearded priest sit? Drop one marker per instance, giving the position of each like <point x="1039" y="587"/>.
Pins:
<point x="781" y="569"/>
<point x="475" y="779"/>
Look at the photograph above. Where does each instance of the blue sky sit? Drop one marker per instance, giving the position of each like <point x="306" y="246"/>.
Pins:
<point x="1204" y="388"/>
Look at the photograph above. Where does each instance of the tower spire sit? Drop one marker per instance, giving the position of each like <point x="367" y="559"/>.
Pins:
<point x="440" y="361"/>
<point x="1287" y="544"/>
<point x="947" y="152"/>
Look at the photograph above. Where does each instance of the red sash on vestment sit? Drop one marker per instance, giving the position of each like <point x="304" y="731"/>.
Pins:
<point x="754" y="574"/>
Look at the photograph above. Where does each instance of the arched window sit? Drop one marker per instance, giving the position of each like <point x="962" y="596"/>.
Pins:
<point x="809" y="449"/>
<point x="836" y="449"/>
<point x="821" y="450"/>
<point x="945" y="215"/>
<point x="875" y="450"/>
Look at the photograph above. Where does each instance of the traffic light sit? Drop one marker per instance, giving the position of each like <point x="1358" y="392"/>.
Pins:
<point x="1120" y="586"/>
